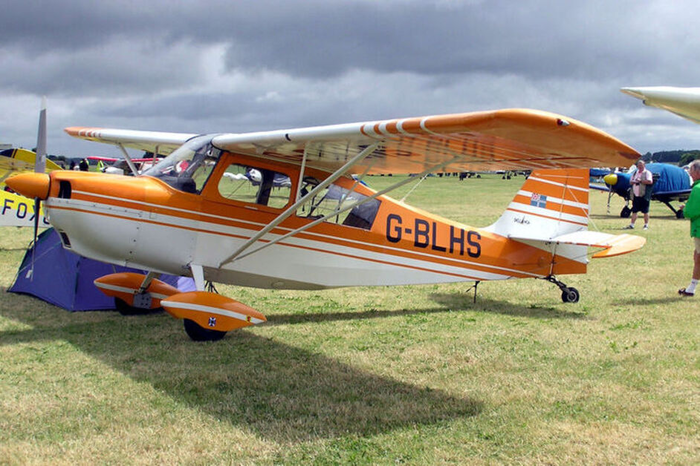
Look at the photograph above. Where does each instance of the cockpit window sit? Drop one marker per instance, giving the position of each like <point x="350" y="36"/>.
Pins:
<point x="255" y="186"/>
<point x="188" y="168"/>
<point x="333" y="199"/>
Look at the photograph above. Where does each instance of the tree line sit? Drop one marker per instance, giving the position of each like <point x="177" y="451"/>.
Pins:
<point x="677" y="157"/>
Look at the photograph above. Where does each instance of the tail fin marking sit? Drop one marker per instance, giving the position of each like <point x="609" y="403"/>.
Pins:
<point x="551" y="203"/>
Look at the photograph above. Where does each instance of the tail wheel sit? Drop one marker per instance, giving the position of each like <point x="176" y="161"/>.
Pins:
<point x="199" y="333"/>
<point x="570" y="295"/>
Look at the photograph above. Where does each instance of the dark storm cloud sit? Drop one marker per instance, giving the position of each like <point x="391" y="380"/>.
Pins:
<point x="590" y="40"/>
<point x="218" y="65"/>
<point x="123" y="68"/>
<point x="542" y="39"/>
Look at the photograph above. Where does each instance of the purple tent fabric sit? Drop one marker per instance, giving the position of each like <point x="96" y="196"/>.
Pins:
<point x="65" y="279"/>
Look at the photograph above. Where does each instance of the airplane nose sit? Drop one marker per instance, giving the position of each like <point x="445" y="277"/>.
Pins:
<point x="610" y="179"/>
<point x="32" y="185"/>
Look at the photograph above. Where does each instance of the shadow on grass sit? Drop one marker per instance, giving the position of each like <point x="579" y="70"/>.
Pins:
<point x="615" y="215"/>
<point x="292" y="319"/>
<point x="278" y="391"/>
<point x="673" y="297"/>
<point x="450" y="301"/>
<point x="461" y="302"/>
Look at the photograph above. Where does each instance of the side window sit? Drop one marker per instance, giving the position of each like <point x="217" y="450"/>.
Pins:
<point x="333" y="199"/>
<point x="198" y="173"/>
<point x="188" y="168"/>
<point x="255" y="186"/>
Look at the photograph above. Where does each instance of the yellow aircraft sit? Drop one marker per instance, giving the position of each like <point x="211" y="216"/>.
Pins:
<point x="16" y="210"/>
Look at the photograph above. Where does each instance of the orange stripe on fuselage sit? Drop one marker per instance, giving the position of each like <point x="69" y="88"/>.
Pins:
<point x="499" y="255"/>
<point x="319" y="238"/>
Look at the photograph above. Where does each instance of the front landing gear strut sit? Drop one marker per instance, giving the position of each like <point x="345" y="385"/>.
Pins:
<point x="568" y="294"/>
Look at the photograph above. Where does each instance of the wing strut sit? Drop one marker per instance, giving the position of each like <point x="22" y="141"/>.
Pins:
<point x="301" y="174"/>
<point x="128" y="159"/>
<point x="351" y="206"/>
<point x="293" y="208"/>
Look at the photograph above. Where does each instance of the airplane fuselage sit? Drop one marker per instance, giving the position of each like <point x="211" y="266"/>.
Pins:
<point x="145" y="223"/>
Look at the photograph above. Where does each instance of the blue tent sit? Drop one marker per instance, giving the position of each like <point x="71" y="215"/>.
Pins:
<point x="65" y="279"/>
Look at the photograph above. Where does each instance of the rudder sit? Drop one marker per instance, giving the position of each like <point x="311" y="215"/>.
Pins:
<point x="550" y="203"/>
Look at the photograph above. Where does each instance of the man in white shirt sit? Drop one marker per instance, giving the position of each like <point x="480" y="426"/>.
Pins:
<point x="641" y="181"/>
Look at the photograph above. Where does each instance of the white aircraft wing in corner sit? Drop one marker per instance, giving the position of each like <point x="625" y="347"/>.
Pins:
<point x="683" y="101"/>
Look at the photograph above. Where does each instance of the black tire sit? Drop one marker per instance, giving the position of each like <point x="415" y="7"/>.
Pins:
<point x="625" y="212"/>
<point x="198" y="333"/>
<point x="126" y="310"/>
<point x="679" y="214"/>
<point x="570" y="295"/>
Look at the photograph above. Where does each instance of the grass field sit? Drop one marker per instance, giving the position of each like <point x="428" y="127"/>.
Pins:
<point x="408" y="375"/>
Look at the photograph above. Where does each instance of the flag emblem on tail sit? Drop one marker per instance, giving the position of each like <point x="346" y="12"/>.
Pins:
<point x="538" y="200"/>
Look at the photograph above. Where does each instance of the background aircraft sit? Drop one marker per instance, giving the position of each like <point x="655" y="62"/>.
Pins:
<point x="17" y="210"/>
<point x="326" y="229"/>
<point x="120" y="166"/>
<point x="671" y="183"/>
<point x="683" y="101"/>
<point x="13" y="161"/>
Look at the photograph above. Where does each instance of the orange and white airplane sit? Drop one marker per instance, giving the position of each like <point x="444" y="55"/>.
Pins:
<point x="198" y="213"/>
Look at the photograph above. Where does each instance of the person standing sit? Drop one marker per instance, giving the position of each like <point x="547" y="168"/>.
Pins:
<point x="641" y="181"/>
<point x="692" y="211"/>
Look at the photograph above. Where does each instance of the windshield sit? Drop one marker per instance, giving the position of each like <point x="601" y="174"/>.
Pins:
<point x="188" y="168"/>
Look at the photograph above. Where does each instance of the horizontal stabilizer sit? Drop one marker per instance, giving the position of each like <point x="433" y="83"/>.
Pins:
<point x="613" y="245"/>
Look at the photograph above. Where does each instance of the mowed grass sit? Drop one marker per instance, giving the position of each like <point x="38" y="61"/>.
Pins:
<point x="406" y="375"/>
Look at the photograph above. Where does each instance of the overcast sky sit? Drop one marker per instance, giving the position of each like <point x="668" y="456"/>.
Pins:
<point x="237" y="66"/>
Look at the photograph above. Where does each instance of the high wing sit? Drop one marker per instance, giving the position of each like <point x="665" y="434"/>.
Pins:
<point x="98" y="158"/>
<point x="147" y="141"/>
<point x="511" y="139"/>
<point x="683" y="101"/>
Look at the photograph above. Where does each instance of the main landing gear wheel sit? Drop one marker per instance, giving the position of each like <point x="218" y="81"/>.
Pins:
<point x="199" y="333"/>
<point x="625" y="212"/>
<point x="126" y="310"/>
<point x="570" y="295"/>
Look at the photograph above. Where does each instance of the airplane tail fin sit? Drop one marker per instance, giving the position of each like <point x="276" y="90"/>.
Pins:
<point x="551" y="203"/>
<point x="551" y="212"/>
